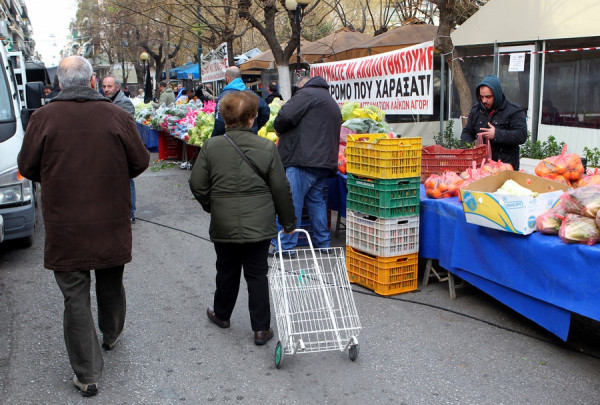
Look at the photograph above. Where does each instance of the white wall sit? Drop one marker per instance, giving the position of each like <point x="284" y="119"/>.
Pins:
<point x="575" y="138"/>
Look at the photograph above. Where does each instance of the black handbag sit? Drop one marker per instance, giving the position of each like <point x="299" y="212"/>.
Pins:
<point x="252" y="165"/>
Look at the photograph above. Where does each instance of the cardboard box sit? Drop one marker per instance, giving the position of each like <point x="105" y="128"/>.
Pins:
<point x="484" y="207"/>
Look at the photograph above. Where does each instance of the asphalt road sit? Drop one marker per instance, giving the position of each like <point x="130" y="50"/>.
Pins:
<point x="416" y="348"/>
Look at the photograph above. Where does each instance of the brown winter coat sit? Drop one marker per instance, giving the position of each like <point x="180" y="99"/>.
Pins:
<point x="83" y="150"/>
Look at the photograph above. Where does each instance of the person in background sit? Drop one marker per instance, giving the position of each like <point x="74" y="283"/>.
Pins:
<point x="204" y="92"/>
<point x="550" y="115"/>
<point x="180" y="91"/>
<point x="126" y="91"/>
<point x="500" y="122"/>
<point x="309" y="125"/>
<point x="112" y="89"/>
<point x="167" y="97"/>
<point x="140" y="93"/>
<point x="47" y="90"/>
<point x="242" y="208"/>
<point x="83" y="149"/>
<point x="190" y="95"/>
<point x="273" y="93"/>
<point x="233" y="78"/>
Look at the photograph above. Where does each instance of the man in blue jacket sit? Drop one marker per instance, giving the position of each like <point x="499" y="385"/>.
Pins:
<point x="500" y="122"/>
<point x="233" y="78"/>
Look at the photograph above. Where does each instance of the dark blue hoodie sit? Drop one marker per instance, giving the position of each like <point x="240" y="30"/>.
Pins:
<point x="493" y="83"/>
<point x="508" y="118"/>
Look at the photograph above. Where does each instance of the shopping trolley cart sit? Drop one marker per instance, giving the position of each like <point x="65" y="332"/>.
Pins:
<point x="313" y="302"/>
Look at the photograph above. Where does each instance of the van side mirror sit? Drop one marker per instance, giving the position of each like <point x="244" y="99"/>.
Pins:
<point x="33" y="94"/>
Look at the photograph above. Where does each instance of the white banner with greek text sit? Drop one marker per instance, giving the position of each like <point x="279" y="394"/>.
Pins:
<point x="398" y="82"/>
<point x="214" y="64"/>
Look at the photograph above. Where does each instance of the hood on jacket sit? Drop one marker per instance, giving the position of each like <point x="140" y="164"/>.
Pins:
<point x="493" y="83"/>
<point x="168" y="89"/>
<point x="236" y="84"/>
<point x="317" y="81"/>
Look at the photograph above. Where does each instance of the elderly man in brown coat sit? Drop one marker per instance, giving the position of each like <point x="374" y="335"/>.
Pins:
<point x="83" y="149"/>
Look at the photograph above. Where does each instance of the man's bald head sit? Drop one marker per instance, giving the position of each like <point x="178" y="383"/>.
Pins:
<point x="232" y="72"/>
<point x="74" y="71"/>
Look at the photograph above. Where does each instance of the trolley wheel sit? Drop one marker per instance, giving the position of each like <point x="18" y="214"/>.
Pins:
<point x="353" y="352"/>
<point x="278" y="355"/>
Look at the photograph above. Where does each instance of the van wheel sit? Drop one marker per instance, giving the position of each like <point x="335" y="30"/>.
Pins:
<point x="24" y="243"/>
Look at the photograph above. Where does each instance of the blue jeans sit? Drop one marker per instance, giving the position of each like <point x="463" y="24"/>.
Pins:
<point x="307" y="190"/>
<point x="132" y="188"/>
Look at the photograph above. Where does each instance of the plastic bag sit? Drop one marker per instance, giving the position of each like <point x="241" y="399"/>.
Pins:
<point x="592" y="177"/>
<point x="578" y="229"/>
<point x="342" y="159"/>
<point x="550" y="221"/>
<point x="563" y="168"/>
<point x="366" y="126"/>
<point x="442" y="186"/>
<point x="583" y="201"/>
<point x="344" y="132"/>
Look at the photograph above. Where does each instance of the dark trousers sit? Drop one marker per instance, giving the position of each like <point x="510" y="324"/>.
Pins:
<point x="231" y="257"/>
<point x="81" y="340"/>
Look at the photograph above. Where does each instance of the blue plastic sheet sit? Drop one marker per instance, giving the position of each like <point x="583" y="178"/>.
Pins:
<point x="149" y="137"/>
<point x="537" y="275"/>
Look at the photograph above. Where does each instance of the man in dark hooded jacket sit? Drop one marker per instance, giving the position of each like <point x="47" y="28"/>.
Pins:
<point x="309" y="135"/>
<point x="500" y="122"/>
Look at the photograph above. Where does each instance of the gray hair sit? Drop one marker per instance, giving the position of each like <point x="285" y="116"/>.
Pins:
<point x="116" y="79"/>
<point x="74" y="71"/>
<point x="233" y="72"/>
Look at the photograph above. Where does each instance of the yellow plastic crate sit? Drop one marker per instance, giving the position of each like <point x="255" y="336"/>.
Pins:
<point x="379" y="157"/>
<point x="384" y="275"/>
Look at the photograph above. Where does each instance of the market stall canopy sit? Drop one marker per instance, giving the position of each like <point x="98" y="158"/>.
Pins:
<point x="266" y="60"/>
<point x="173" y="71"/>
<point x="188" y="72"/>
<point x="339" y="41"/>
<point x="392" y="40"/>
<point x="536" y="20"/>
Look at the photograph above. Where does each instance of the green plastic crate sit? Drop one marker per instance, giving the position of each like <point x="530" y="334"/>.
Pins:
<point x="384" y="198"/>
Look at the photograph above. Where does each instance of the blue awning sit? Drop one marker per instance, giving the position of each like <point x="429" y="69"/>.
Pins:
<point x="190" y="72"/>
<point x="174" y="72"/>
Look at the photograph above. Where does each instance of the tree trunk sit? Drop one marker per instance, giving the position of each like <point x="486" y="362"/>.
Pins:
<point x="464" y="92"/>
<point x="285" y="84"/>
<point x="444" y="44"/>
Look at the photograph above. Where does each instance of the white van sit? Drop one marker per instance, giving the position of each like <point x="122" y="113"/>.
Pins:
<point x="17" y="203"/>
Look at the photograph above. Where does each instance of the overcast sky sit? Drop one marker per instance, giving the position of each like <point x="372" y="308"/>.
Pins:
<point x="50" y="23"/>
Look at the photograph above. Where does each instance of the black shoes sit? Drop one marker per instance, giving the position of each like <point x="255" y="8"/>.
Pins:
<point x="87" y="390"/>
<point x="262" y="336"/>
<point x="210" y="313"/>
<point x="109" y="346"/>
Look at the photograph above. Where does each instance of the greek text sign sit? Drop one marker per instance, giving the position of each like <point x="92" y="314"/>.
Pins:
<point x="214" y="64"/>
<point x="398" y="82"/>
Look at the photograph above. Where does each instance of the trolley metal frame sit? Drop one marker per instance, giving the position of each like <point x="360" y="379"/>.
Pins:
<point x="313" y="302"/>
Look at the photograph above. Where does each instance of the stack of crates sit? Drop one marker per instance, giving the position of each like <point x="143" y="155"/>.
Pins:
<point x="382" y="219"/>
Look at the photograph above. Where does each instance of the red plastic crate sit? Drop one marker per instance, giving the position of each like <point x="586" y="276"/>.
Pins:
<point x="436" y="159"/>
<point x="169" y="147"/>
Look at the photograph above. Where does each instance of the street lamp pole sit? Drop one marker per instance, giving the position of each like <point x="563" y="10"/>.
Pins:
<point x="297" y="8"/>
<point x="144" y="58"/>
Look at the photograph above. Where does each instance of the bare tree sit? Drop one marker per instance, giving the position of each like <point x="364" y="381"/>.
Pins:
<point x="267" y="27"/>
<point x="443" y="42"/>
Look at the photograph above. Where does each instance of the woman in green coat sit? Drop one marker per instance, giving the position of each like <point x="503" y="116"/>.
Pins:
<point x="243" y="205"/>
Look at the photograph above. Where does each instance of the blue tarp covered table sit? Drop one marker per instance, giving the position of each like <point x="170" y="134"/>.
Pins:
<point x="336" y="194"/>
<point x="537" y="275"/>
<point x="149" y="137"/>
